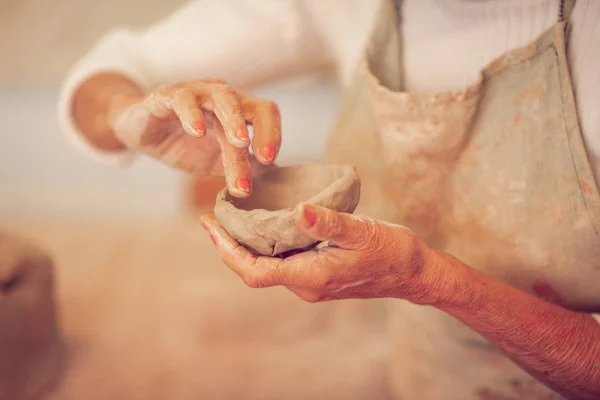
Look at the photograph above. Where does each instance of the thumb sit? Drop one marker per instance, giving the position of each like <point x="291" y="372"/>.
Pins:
<point x="345" y="230"/>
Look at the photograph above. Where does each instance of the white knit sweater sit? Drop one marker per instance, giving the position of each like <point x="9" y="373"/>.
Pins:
<point x="249" y="42"/>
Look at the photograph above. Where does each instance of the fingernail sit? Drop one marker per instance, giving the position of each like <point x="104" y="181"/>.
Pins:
<point x="310" y="216"/>
<point x="244" y="184"/>
<point x="199" y="126"/>
<point x="269" y="152"/>
<point x="213" y="238"/>
<point x="242" y="133"/>
<point x="203" y="223"/>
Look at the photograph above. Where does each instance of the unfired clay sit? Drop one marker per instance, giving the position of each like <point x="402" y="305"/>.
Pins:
<point x="265" y="221"/>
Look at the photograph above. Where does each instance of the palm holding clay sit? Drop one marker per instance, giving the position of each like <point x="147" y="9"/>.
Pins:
<point x="265" y="222"/>
<point x="363" y="263"/>
<point x="196" y="126"/>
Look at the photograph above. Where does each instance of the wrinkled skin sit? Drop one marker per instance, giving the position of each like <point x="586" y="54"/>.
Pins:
<point x="199" y="127"/>
<point x="368" y="259"/>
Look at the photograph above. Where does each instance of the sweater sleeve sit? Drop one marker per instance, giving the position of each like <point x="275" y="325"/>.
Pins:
<point x="245" y="42"/>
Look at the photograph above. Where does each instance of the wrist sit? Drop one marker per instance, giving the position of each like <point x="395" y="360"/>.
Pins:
<point x="443" y="282"/>
<point x="117" y="104"/>
<point x="98" y="102"/>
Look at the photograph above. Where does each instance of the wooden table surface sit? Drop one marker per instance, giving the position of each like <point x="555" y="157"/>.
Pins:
<point x="150" y="312"/>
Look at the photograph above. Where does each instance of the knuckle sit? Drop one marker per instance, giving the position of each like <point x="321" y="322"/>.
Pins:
<point x="224" y="89"/>
<point x="182" y="93"/>
<point x="372" y="233"/>
<point x="163" y="90"/>
<point x="213" y="80"/>
<point x="268" y="106"/>
<point x="334" y="229"/>
<point x="334" y="224"/>
<point x="373" y="227"/>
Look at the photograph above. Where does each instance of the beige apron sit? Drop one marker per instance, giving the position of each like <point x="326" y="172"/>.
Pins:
<point x="495" y="174"/>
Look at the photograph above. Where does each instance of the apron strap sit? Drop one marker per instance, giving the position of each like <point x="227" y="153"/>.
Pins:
<point x="565" y="7"/>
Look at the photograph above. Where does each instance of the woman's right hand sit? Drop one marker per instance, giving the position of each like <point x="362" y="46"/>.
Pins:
<point x="201" y="127"/>
<point x="197" y="126"/>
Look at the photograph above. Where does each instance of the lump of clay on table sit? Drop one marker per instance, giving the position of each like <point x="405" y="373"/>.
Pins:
<point x="265" y="221"/>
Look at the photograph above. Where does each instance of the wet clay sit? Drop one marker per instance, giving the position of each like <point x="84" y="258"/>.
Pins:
<point x="265" y="221"/>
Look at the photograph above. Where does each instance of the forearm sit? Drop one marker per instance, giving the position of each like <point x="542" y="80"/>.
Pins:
<point x="559" y="347"/>
<point x="95" y="104"/>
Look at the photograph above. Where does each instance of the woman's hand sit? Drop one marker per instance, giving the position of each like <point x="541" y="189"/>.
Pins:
<point x="374" y="259"/>
<point x="197" y="126"/>
<point x="200" y="127"/>
<point x="369" y="259"/>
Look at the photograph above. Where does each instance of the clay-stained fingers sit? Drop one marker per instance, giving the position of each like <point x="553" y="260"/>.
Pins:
<point x="191" y="102"/>
<point x="179" y="101"/>
<point x="236" y="163"/>
<point x="265" y="118"/>
<point x="228" y="110"/>
<point x="186" y="101"/>
<point x="188" y="153"/>
<point x="159" y="103"/>
<point x="185" y="106"/>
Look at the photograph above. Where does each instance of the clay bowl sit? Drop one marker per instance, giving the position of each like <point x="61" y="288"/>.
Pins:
<point x="265" y="221"/>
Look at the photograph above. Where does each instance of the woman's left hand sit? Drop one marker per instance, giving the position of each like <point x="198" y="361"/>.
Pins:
<point x="370" y="259"/>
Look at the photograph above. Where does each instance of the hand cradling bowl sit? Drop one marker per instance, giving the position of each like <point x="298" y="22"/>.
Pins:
<point x="265" y="221"/>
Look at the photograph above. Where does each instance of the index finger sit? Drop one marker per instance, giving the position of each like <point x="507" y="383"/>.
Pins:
<point x="236" y="164"/>
<point x="228" y="110"/>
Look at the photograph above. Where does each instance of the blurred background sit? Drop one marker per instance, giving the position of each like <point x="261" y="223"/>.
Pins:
<point x="146" y="308"/>
<point x="41" y="175"/>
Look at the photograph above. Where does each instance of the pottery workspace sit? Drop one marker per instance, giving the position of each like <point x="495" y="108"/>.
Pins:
<point x="146" y="308"/>
<point x="148" y="312"/>
<point x="300" y="199"/>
